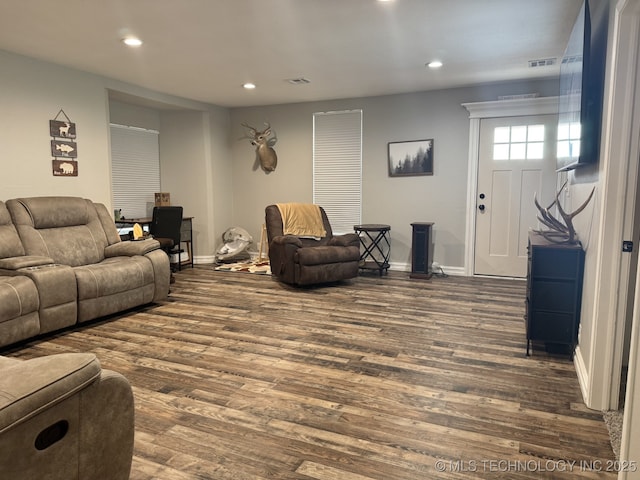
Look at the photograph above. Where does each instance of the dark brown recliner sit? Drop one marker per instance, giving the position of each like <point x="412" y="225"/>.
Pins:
<point x="306" y="261"/>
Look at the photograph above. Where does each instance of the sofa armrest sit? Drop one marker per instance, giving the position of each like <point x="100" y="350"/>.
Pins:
<point x="129" y="248"/>
<point x="31" y="386"/>
<point x="287" y="239"/>
<point x="24" y="261"/>
<point x="346" y="240"/>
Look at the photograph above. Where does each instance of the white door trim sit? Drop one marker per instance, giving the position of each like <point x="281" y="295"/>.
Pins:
<point x="620" y="149"/>
<point x="478" y="111"/>
<point x="602" y="362"/>
<point x="626" y="141"/>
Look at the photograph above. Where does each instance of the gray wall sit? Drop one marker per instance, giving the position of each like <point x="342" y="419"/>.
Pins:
<point x="194" y="164"/>
<point x="396" y="201"/>
<point x="31" y="94"/>
<point x="194" y="153"/>
<point x="209" y="170"/>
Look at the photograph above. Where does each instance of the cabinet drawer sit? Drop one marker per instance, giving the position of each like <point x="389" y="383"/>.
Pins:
<point x="555" y="296"/>
<point x="555" y="263"/>
<point x="551" y="327"/>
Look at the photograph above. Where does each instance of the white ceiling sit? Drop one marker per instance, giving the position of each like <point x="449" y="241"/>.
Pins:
<point x="206" y="49"/>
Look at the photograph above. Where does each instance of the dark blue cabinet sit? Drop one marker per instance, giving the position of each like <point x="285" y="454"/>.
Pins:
<point x="554" y="292"/>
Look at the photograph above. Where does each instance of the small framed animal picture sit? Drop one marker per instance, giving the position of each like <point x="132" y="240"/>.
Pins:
<point x="64" y="168"/>
<point x="60" y="148"/>
<point x="62" y="129"/>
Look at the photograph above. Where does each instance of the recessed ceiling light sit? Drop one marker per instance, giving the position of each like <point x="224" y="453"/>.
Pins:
<point x="132" y="41"/>
<point x="434" y="64"/>
<point x="249" y="86"/>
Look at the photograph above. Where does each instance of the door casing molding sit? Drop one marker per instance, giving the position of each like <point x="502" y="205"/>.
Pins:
<point x="478" y="111"/>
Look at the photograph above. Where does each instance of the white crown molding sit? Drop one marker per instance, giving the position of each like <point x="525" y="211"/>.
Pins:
<point x="513" y="107"/>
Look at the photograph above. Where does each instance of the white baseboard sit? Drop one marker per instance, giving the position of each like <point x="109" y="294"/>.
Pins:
<point x="455" y="271"/>
<point x="204" y="259"/>
<point x="395" y="266"/>
<point x="582" y="373"/>
<point x="406" y="267"/>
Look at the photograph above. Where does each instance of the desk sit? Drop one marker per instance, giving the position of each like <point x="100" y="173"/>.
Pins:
<point x="377" y="246"/>
<point x="186" y="234"/>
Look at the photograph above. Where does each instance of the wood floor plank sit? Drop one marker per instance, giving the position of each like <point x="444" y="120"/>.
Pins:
<point x="237" y="376"/>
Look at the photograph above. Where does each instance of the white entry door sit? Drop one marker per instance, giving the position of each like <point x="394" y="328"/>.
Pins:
<point x="516" y="161"/>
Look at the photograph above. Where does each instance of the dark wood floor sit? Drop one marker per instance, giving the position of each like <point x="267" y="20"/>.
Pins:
<point x="237" y="376"/>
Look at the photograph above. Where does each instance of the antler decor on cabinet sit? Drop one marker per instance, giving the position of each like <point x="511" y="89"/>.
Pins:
<point x="560" y="231"/>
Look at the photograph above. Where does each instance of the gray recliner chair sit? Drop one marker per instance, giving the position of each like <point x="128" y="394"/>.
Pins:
<point x="64" y="418"/>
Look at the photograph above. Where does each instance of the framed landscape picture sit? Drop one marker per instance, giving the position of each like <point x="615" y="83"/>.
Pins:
<point x="414" y="157"/>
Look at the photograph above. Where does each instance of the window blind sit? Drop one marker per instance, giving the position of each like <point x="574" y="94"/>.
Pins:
<point x="337" y="167"/>
<point x="135" y="169"/>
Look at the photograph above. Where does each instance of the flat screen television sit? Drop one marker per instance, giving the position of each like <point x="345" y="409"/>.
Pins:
<point x="582" y="74"/>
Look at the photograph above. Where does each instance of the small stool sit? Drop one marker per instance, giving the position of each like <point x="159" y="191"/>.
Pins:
<point x="377" y="246"/>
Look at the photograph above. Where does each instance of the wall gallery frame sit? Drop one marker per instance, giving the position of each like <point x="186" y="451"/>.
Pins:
<point x="413" y="157"/>
<point x="64" y="149"/>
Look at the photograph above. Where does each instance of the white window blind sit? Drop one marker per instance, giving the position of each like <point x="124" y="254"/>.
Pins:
<point x="135" y="170"/>
<point x="337" y="167"/>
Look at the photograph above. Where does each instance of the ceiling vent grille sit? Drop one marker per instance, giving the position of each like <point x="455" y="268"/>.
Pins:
<point x="298" y="81"/>
<point x="542" y="62"/>
<point x="572" y="59"/>
<point x="519" y="97"/>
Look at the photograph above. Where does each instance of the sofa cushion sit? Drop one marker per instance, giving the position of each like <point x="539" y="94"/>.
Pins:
<point x="30" y="386"/>
<point x="24" y="261"/>
<point x="55" y="212"/>
<point x="19" y="303"/>
<point x="326" y="254"/>
<point x="113" y="275"/>
<point x="67" y="229"/>
<point x="108" y="225"/>
<point x="10" y="245"/>
<point x="18" y="297"/>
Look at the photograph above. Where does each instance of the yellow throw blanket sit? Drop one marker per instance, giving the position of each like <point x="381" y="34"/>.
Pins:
<point x="301" y="219"/>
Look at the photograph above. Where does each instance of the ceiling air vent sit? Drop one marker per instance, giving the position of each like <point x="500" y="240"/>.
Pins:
<point x="572" y="59"/>
<point x="523" y="96"/>
<point x="298" y="81"/>
<point x="542" y="62"/>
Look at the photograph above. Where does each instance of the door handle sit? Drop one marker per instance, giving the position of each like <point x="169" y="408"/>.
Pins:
<point x="481" y="207"/>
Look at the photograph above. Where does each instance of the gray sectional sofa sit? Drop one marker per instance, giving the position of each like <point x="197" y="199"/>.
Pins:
<point x="62" y="262"/>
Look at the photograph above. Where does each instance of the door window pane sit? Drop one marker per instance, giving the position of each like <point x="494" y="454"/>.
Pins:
<point x="536" y="133"/>
<point x="501" y="135"/>
<point x="519" y="134"/>
<point x="518" y="142"/>
<point x="518" y="151"/>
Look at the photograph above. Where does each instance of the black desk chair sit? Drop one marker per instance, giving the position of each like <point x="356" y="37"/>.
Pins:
<point x="166" y="223"/>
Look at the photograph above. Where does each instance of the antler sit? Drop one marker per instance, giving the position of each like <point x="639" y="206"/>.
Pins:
<point x="246" y="125"/>
<point x="254" y="132"/>
<point x="565" y="230"/>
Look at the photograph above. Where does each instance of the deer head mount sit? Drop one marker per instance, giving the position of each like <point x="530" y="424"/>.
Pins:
<point x="265" y="154"/>
<point x="560" y="231"/>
